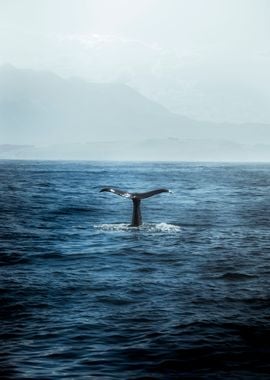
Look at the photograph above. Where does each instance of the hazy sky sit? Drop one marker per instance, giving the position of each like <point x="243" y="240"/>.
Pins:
<point x="207" y="59"/>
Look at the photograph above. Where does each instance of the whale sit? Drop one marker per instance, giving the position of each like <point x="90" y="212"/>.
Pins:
<point x="136" y="200"/>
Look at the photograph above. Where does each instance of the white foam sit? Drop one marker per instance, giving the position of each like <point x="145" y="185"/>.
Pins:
<point x="113" y="227"/>
<point x="147" y="227"/>
<point x="163" y="227"/>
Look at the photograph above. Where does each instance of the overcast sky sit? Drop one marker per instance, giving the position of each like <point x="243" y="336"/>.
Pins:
<point x="206" y="59"/>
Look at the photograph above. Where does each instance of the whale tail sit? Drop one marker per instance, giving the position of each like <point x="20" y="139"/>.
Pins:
<point x="136" y="199"/>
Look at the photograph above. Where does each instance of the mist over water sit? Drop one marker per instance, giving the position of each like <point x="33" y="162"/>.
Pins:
<point x="86" y="296"/>
<point x="207" y="60"/>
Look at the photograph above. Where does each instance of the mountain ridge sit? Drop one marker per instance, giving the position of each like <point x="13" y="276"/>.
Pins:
<point x="42" y="109"/>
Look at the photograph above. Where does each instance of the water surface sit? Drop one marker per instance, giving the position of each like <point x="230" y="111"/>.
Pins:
<point x="85" y="296"/>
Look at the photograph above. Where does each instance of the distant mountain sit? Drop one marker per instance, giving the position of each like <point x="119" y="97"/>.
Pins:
<point x="67" y="117"/>
<point x="145" y="150"/>
<point x="42" y="108"/>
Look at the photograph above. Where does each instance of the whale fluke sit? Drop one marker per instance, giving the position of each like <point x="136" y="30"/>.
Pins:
<point x="136" y="199"/>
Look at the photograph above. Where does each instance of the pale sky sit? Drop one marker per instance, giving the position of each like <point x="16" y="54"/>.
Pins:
<point x="206" y="59"/>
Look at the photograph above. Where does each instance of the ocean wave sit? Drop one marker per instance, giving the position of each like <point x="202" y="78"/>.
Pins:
<point x="236" y="276"/>
<point x="73" y="210"/>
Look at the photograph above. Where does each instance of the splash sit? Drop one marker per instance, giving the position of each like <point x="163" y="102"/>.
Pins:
<point x="164" y="227"/>
<point x="146" y="227"/>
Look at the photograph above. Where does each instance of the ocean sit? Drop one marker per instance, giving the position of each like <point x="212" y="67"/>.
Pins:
<point x="85" y="296"/>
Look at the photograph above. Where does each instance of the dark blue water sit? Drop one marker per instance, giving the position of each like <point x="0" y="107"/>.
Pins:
<point x="84" y="296"/>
